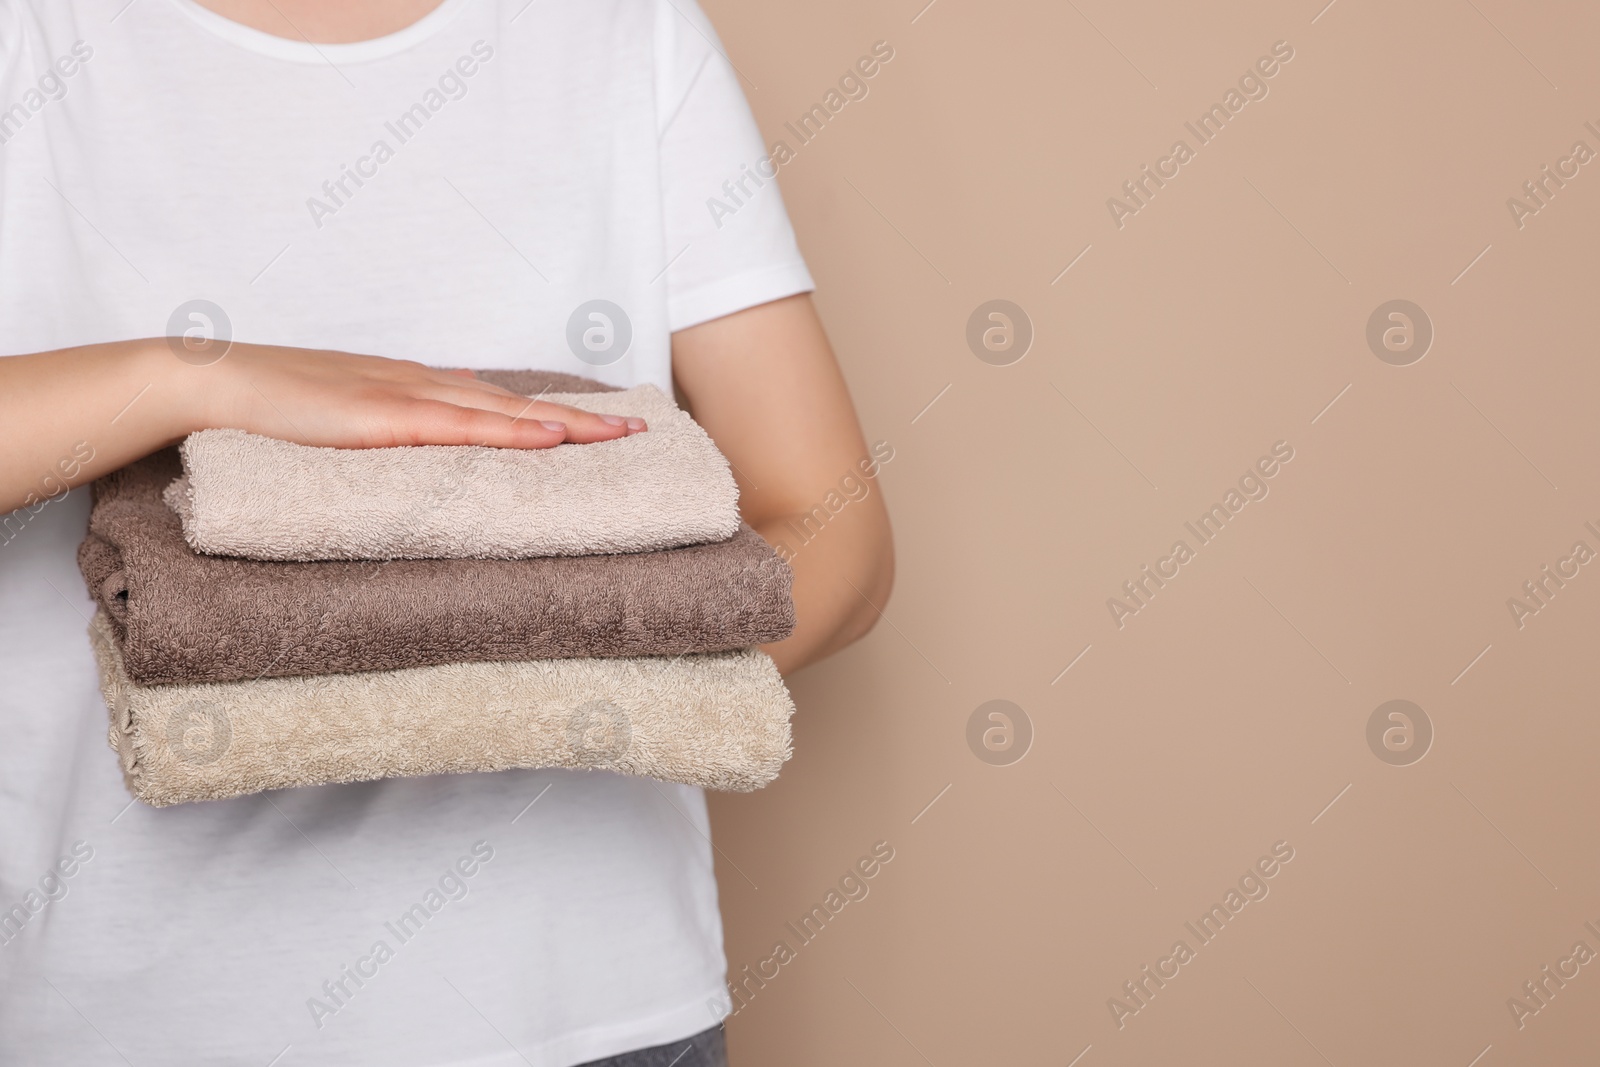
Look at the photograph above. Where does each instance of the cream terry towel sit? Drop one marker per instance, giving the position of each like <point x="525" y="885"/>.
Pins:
<point x="716" y="720"/>
<point x="242" y="494"/>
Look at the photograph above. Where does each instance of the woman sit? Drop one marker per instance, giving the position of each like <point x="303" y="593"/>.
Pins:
<point x="465" y="183"/>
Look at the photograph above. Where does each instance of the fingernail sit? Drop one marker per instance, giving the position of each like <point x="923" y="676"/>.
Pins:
<point x="560" y="427"/>
<point x="636" y="425"/>
<point x="613" y="420"/>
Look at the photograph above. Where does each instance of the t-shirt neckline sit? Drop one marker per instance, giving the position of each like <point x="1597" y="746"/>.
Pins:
<point x="302" y="51"/>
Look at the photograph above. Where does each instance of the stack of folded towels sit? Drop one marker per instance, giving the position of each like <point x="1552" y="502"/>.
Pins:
<point x="276" y="615"/>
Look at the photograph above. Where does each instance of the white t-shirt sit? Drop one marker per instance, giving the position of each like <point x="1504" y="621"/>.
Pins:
<point x="454" y="193"/>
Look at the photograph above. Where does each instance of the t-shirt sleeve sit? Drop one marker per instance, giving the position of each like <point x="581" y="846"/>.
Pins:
<point x="729" y="242"/>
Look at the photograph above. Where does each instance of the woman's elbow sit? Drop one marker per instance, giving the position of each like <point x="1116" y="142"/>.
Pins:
<point x="875" y="580"/>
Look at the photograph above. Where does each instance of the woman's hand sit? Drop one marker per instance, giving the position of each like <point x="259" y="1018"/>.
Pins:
<point x="69" y="416"/>
<point x="345" y="401"/>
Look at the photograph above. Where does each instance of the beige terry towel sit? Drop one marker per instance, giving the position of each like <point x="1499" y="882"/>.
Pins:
<point x="247" y="495"/>
<point x="717" y="720"/>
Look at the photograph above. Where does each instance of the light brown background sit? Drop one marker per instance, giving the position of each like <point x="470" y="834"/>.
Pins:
<point x="1222" y="318"/>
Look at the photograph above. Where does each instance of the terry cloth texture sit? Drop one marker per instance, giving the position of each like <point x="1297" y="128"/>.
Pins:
<point x="242" y="494"/>
<point x="184" y="617"/>
<point x="535" y="382"/>
<point x="716" y="720"/>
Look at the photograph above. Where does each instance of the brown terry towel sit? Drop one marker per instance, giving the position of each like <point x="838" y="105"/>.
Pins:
<point x="534" y="382"/>
<point x="185" y="617"/>
<point x="242" y="494"/>
<point x="717" y="720"/>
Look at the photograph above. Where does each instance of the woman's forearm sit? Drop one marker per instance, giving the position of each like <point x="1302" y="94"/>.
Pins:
<point x="765" y="384"/>
<point x="70" y="416"/>
<point x="843" y="574"/>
